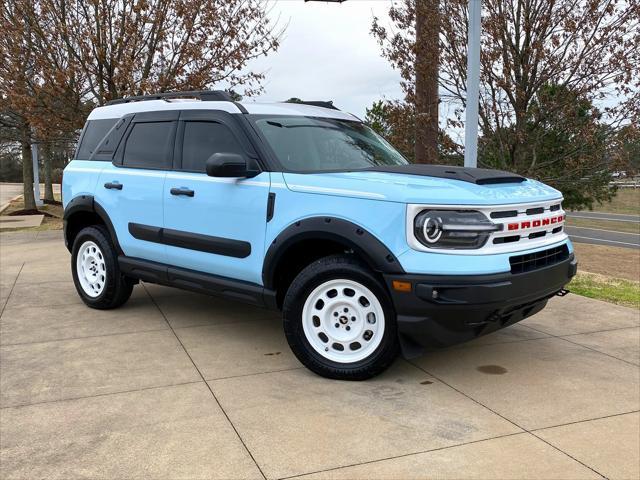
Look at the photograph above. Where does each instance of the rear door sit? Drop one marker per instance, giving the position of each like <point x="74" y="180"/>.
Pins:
<point x="219" y="223"/>
<point x="130" y="189"/>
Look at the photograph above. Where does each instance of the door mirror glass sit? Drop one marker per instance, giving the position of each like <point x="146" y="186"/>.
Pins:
<point x="230" y="165"/>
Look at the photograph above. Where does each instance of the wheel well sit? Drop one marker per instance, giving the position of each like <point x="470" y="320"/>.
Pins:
<point x="77" y="222"/>
<point x="300" y="255"/>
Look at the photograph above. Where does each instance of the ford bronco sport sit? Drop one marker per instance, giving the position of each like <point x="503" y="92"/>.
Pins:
<point x="303" y="208"/>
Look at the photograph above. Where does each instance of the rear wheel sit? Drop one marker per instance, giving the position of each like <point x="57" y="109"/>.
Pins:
<point x="339" y="320"/>
<point x="94" y="264"/>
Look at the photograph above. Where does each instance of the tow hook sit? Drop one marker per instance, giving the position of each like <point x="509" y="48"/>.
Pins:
<point x="562" y="292"/>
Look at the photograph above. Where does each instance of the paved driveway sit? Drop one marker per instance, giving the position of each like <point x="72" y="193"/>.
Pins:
<point x="8" y="191"/>
<point x="177" y="385"/>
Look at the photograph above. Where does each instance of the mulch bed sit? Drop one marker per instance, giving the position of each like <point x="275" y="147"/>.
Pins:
<point x="31" y="211"/>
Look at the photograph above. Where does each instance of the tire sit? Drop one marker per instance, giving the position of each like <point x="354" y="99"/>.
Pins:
<point x="96" y="275"/>
<point x="339" y="320"/>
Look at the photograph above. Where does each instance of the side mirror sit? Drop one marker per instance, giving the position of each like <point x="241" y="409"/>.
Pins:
<point x="229" y="165"/>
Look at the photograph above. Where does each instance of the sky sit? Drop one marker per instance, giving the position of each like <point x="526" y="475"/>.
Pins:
<point x="328" y="53"/>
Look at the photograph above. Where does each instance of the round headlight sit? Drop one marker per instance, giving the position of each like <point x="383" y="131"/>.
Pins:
<point x="432" y="229"/>
<point x="453" y="229"/>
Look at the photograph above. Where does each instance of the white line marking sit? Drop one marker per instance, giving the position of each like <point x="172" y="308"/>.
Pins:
<point x="606" y="219"/>
<point x="603" y="230"/>
<point x="601" y="240"/>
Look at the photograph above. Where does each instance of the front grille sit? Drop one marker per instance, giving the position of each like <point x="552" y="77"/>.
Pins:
<point x="541" y="259"/>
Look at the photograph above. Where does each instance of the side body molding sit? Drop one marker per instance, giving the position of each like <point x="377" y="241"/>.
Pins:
<point x="366" y="245"/>
<point x="87" y="204"/>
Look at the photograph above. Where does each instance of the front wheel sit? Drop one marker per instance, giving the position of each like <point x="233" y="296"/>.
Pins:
<point x="339" y="320"/>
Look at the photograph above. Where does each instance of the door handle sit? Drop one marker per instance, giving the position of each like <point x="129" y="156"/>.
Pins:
<point x="113" y="186"/>
<point x="182" y="191"/>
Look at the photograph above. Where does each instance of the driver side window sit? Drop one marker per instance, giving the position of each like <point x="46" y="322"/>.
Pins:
<point x="203" y="139"/>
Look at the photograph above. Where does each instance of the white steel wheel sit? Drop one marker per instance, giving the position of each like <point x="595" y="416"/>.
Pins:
<point x="91" y="269"/>
<point x="343" y="321"/>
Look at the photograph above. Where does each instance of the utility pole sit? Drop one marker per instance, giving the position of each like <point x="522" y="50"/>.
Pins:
<point x="473" y="85"/>
<point x="36" y="175"/>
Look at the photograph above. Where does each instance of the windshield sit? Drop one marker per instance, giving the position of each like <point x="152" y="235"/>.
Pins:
<point x="310" y="144"/>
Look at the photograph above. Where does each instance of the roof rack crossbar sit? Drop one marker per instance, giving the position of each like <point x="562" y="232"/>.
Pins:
<point x="203" y="95"/>
<point x="316" y="103"/>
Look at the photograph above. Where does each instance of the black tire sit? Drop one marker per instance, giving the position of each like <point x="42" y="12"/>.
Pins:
<point x="333" y="268"/>
<point x="117" y="288"/>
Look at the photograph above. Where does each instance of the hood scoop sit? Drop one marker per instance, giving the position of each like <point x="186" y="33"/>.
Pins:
<point x="479" y="176"/>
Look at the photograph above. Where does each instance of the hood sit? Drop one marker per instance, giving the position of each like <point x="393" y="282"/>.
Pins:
<point x="408" y="188"/>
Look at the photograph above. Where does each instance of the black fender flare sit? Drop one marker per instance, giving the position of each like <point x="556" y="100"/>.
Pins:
<point x="362" y="242"/>
<point x="86" y="203"/>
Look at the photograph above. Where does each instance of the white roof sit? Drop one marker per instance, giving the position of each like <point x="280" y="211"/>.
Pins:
<point x="121" y="109"/>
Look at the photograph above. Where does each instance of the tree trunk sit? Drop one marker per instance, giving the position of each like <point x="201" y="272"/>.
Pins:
<point x="47" y="172"/>
<point x="426" y="87"/>
<point x="27" y="176"/>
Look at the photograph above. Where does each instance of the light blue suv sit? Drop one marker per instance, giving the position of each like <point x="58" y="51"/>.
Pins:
<point x="303" y="208"/>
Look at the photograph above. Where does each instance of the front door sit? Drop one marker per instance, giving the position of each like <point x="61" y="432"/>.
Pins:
<point x="216" y="225"/>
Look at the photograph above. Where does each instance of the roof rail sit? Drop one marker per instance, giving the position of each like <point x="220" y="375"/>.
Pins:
<point x="203" y="95"/>
<point x="317" y="103"/>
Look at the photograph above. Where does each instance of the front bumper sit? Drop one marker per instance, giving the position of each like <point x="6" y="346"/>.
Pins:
<point x="441" y="310"/>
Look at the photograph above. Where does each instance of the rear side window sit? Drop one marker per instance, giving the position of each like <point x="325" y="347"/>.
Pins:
<point x="94" y="132"/>
<point x="150" y="145"/>
<point x="203" y="139"/>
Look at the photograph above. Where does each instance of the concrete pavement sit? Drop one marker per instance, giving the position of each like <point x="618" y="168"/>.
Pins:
<point x="178" y="385"/>
<point x="9" y="191"/>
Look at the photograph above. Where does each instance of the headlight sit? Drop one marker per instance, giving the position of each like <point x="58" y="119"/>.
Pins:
<point x="453" y="229"/>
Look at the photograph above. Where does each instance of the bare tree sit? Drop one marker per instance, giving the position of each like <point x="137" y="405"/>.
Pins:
<point x="412" y="46"/>
<point x="133" y="47"/>
<point x="61" y="57"/>
<point x="587" y="47"/>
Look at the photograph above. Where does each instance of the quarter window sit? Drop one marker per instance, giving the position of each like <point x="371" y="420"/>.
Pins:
<point x="94" y="132"/>
<point x="203" y="139"/>
<point x="150" y="145"/>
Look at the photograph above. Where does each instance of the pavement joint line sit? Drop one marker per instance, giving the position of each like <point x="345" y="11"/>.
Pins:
<point x="244" y="375"/>
<point x="403" y="455"/>
<point x="54" y="340"/>
<point x="505" y="418"/>
<point x="237" y="322"/>
<point x="4" y="305"/>
<point x="208" y="386"/>
<point x="564" y="337"/>
<point x="584" y="421"/>
<point x="44" y="283"/>
<point x="84" y="397"/>
<point x="597" y="331"/>
<point x="464" y="345"/>
<point x="599" y="351"/>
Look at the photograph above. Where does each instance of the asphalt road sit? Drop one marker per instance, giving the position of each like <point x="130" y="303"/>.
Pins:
<point x="618" y="217"/>
<point x="598" y="236"/>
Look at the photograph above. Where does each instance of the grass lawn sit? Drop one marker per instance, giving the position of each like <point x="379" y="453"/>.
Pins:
<point x="627" y="200"/>
<point x="613" y="290"/>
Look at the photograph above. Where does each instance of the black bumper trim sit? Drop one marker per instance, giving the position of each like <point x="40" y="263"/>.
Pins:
<point x="442" y="310"/>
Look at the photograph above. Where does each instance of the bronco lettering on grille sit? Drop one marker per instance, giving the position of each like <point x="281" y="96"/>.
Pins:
<point x="535" y="223"/>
